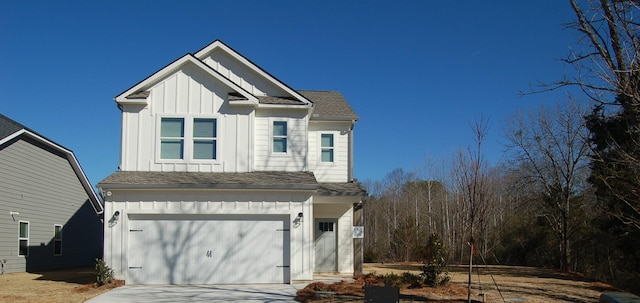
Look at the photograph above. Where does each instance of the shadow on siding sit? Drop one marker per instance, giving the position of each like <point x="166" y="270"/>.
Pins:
<point x="81" y="244"/>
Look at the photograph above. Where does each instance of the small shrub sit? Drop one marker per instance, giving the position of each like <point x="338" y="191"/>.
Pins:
<point x="413" y="280"/>
<point x="104" y="274"/>
<point x="392" y="279"/>
<point x="434" y="271"/>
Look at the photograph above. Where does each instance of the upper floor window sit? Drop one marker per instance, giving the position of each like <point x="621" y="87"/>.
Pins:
<point x="204" y="138"/>
<point x="182" y="138"/>
<point x="23" y="238"/>
<point x="279" y="136"/>
<point x="172" y="138"/>
<point x="326" y="147"/>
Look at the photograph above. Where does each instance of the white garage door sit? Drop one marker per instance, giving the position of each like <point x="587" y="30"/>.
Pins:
<point x="195" y="249"/>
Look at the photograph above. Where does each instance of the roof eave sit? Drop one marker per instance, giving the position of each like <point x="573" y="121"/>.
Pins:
<point x="215" y="186"/>
<point x="331" y="119"/>
<point x="290" y="106"/>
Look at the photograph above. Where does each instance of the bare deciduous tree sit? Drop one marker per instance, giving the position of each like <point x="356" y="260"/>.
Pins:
<point x="550" y="149"/>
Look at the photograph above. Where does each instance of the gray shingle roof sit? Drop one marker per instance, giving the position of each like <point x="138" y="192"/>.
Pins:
<point x="251" y="180"/>
<point x="139" y="95"/>
<point x="8" y="126"/>
<point x="329" y="105"/>
<point x="279" y="100"/>
<point x="342" y="189"/>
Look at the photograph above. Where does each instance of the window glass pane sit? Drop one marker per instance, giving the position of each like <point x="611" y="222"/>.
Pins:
<point x="57" y="230"/>
<point x="171" y="149"/>
<point x="327" y="155"/>
<point x="204" y="128"/>
<point x="24" y="249"/>
<point x="204" y="149"/>
<point x="327" y="140"/>
<point x="279" y="145"/>
<point x="172" y="127"/>
<point x="57" y="247"/>
<point x="24" y="230"/>
<point x="280" y="128"/>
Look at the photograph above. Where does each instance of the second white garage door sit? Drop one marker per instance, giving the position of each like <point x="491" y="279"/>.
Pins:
<point x="199" y="249"/>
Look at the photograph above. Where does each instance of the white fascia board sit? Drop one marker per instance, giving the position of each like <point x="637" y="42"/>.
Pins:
<point x="95" y="202"/>
<point x="219" y="44"/>
<point x="172" y="67"/>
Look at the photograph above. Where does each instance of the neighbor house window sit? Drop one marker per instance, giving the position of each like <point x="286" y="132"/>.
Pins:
<point x="57" y="240"/>
<point x="280" y="136"/>
<point x="327" y="147"/>
<point x="204" y="138"/>
<point x="23" y="238"/>
<point x="172" y="138"/>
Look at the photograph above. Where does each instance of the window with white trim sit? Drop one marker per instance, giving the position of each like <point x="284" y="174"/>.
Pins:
<point x="204" y="138"/>
<point x="188" y="139"/>
<point x="57" y="240"/>
<point x="326" y="148"/>
<point x="23" y="238"/>
<point x="279" y="135"/>
<point x="172" y="138"/>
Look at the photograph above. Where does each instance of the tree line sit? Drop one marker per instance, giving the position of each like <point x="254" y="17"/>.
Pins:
<point x="566" y="195"/>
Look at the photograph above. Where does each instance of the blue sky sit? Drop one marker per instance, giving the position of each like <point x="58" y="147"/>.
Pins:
<point x="418" y="73"/>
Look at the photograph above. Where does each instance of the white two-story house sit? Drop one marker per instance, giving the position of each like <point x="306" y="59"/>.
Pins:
<point x="228" y="175"/>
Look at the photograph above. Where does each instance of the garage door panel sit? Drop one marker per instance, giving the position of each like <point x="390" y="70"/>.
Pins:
<point x="208" y="250"/>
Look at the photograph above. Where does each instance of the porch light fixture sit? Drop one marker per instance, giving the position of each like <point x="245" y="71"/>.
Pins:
<point x="300" y="216"/>
<point x="114" y="219"/>
<point x="13" y="214"/>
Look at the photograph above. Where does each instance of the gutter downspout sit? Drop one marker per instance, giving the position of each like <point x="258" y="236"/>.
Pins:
<point x="350" y="168"/>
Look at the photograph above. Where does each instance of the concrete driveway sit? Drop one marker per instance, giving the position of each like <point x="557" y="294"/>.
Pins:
<point x="200" y="293"/>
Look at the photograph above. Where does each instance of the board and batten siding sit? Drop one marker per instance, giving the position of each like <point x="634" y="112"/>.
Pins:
<point x="338" y="170"/>
<point x="188" y="93"/>
<point x="208" y="202"/>
<point x="242" y="75"/>
<point x="43" y="188"/>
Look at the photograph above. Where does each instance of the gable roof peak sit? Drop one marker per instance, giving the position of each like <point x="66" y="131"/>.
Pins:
<point x="218" y="44"/>
<point x="138" y="93"/>
<point x="10" y="130"/>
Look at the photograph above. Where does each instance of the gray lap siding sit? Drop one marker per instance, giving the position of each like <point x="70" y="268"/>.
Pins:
<point x="43" y="188"/>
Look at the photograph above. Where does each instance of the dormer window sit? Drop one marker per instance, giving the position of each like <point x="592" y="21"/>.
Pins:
<point x="279" y="136"/>
<point x="188" y="139"/>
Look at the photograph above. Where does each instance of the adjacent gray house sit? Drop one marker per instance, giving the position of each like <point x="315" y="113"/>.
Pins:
<point x="50" y="216"/>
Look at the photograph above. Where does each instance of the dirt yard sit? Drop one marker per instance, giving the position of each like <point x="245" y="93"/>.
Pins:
<point x="516" y="284"/>
<point x="67" y="286"/>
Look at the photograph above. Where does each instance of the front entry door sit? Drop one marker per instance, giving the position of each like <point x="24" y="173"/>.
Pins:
<point x="325" y="242"/>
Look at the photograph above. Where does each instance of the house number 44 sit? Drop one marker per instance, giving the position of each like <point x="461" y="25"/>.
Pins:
<point x="209" y="254"/>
